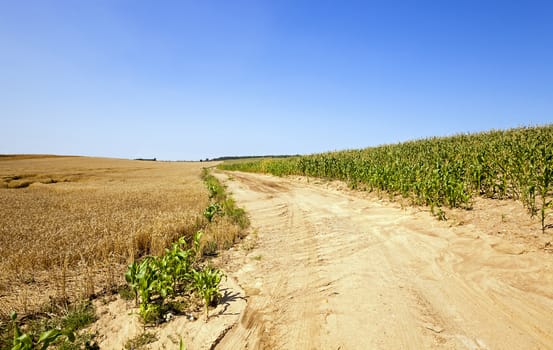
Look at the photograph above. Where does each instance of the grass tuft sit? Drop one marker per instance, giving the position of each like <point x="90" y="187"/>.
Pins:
<point x="140" y="341"/>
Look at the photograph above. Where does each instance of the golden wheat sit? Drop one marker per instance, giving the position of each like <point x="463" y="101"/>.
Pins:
<point x="69" y="225"/>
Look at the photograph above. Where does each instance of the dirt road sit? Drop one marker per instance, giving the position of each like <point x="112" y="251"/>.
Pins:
<point x="331" y="270"/>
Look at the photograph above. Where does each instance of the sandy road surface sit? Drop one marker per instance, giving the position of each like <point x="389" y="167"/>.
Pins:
<point x="332" y="270"/>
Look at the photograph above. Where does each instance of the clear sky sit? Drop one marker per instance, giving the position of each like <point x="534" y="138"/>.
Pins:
<point x="195" y="79"/>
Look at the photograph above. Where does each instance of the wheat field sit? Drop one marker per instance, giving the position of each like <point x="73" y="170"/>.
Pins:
<point x="70" y="225"/>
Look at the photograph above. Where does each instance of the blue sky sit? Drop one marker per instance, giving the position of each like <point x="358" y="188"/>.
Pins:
<point x="196" y="79"/>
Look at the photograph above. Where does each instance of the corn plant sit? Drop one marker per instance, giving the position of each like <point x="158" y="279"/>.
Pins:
<point x="196" y="243"/>
<point x="24" y="341"/>
<point x="156" y="279"/>
<point x="147" y="277"/>
<point x="131" y="276"/>
<point x="212" y="210"/>
<point x="176" y="264"/>
<point x="206" y="284"/>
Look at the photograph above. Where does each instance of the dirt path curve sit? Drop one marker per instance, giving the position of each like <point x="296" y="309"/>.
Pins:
<point x="332" y="270"/>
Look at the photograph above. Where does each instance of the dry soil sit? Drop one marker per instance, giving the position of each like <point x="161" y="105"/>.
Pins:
<point x="331" y="269"/>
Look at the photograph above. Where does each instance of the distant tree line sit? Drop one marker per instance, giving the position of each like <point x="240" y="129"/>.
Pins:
<point x="250" y="157"/>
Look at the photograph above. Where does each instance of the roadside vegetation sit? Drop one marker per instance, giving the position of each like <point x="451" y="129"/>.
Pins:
<point x="59" y="329"/>
<point x="221" y="204"/>
<point x="69" y="234"/>
<point x="158" y="283"/>
<point x="440" y="172"/>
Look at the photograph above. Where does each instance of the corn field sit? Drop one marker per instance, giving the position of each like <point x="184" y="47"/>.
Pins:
<point x="511" y="164"/>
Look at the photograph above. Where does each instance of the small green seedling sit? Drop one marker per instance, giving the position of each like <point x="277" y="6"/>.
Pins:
<point x="206" y="283"/>
<point x="24" y="341"/>
<point x="212" y="210"/>
<point x="131" y="276"/>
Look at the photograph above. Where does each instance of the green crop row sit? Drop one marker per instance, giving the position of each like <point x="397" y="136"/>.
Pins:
<point x="450" y="171"/>
<point x="156" y="281"/>
<point x="159" y="283"/>
<point x="220" y="204"/>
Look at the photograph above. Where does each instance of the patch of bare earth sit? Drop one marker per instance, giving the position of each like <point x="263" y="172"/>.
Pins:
<point x="330" y="268"/>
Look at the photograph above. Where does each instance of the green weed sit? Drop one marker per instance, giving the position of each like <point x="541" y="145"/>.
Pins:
<point x="26" y="341"/>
